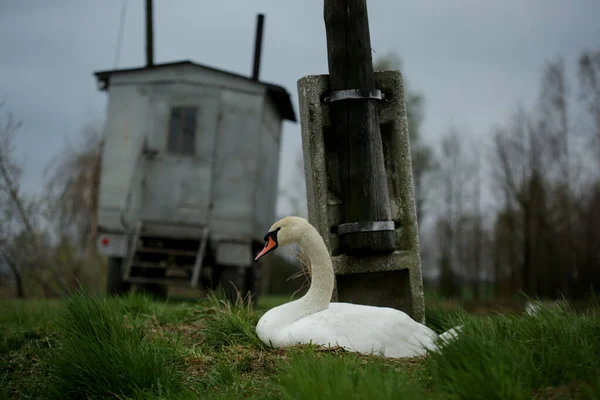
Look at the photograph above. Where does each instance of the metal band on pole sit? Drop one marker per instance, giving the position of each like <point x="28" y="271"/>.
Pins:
<point x="354" y="94"/>
<point x="375" y="226"/>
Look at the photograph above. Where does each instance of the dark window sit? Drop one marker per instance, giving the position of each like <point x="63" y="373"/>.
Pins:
<point x="182" y="130"/>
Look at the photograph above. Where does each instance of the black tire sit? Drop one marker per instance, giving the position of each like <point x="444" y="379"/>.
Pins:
<point x="253" y="282"/>
<point x="156" y="290"/>
<point x="226" y="281"/>
<point x="236" y="281"/>
<point x="114" y="277"/>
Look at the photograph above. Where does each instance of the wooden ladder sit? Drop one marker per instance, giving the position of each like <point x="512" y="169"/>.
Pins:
<point x="136" y="249"/>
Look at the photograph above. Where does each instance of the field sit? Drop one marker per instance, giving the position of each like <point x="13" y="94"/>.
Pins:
<point x="87" y="347"/>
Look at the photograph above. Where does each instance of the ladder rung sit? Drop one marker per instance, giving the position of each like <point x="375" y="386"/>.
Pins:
<point x="146" y="264"/>
<point x="173" y="252"/>
<point x="161" y="281"/>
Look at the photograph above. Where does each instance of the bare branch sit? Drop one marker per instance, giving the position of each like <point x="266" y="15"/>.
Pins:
<point x="589" y="83"/>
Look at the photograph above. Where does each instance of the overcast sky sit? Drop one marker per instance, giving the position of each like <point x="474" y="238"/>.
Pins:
<point x="471" y="59"/>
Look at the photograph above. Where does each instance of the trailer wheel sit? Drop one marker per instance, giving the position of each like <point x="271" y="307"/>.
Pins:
<point x="233" y="280"/>
<point x="114" y="277"/>
<point x="253" y="282"/>
<point x="156" y="290"/>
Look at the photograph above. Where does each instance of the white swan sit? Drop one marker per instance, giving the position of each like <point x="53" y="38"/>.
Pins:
<point x="313" y="319"/>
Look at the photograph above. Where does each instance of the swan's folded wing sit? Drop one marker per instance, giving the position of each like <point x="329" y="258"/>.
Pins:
<point x="363" y="329"/>
<point x="313" y="329"/>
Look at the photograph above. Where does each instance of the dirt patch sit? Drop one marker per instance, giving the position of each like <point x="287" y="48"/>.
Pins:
<point x="563" y="392"/>
<point x="484" y="307"/>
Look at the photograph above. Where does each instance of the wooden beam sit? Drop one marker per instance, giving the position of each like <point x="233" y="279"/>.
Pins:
<point x="355" y="123"/>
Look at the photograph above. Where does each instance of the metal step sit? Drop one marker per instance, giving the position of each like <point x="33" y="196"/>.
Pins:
<point x="168" y="269"/>
<point x="161" y="281"/>
<point x="179" y="231"/>
<point x="134" y="258"/>
<point x="173" y="252"/>
<point x="146" y="264"/>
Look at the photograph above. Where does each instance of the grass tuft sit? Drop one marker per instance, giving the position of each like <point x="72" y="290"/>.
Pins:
<point x="511" y="356"/>
<point x="101" y="354"/>
<point x="226" y="324"/>
<point x="142" y="306"/>
<point x="20" y="323"/>
<point x="441" y="319"/>
<point x="309" y="375"/>
<point x="133" y="347"/>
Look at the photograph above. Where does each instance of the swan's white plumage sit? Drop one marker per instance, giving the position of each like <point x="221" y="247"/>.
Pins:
<point x="358" y="328"/>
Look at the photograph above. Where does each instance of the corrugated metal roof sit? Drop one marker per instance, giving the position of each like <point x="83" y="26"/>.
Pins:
<point x="278" y="94"/>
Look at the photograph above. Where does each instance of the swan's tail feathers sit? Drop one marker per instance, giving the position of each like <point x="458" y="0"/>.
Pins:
<point x="451" y="334"/>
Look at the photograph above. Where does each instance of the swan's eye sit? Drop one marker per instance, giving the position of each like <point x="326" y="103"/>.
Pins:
<point x="272" y="235"/>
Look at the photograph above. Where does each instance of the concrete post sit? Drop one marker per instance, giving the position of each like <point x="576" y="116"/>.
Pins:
<point x="385" y="280"/>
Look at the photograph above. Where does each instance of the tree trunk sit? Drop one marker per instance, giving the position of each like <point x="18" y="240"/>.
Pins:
<point x="16" y="274"/>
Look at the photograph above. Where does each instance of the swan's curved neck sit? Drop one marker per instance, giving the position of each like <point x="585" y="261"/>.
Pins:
<point x="322" y="276"/>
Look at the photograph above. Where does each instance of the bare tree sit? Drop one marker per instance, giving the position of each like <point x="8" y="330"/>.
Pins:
<point x="555" y="117"/>
<point x="10" y="171"/>
<point x="14" y="268"/>
<point x="589" y="83"/>
<point x="589" y="200"/>
<point x="555" y="121"/>
<point x="477" y="242"/>
<point x="422" y="156"/>
<point x="533" y="171"/>
<point x="21" y="242"/>
<point x="294" y="192"/>
<point x="518" y="174"/>
<point x="589" y="240"/>
<point x="452" y="221"/>
<point x="72" y="190"/>
<point x="48" y="243"/>
<point x="11" y="201"/>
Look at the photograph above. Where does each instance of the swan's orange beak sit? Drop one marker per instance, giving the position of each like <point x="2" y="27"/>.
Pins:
<point x="269" y="246"/>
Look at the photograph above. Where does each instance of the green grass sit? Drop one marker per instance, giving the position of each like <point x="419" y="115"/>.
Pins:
<point x="99" y="353"/>
<point x="226" y="324"/>
<point x="514" y="356"/>
<point x="24" y="321"/>
<point x="308" y="375"/>
<point x="134" y="347"/>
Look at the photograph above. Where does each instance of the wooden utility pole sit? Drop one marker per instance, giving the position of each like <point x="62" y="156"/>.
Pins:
<point x="375" y="254"/>
<point x="149" y="35"/>
<point x="366" y="226"/>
